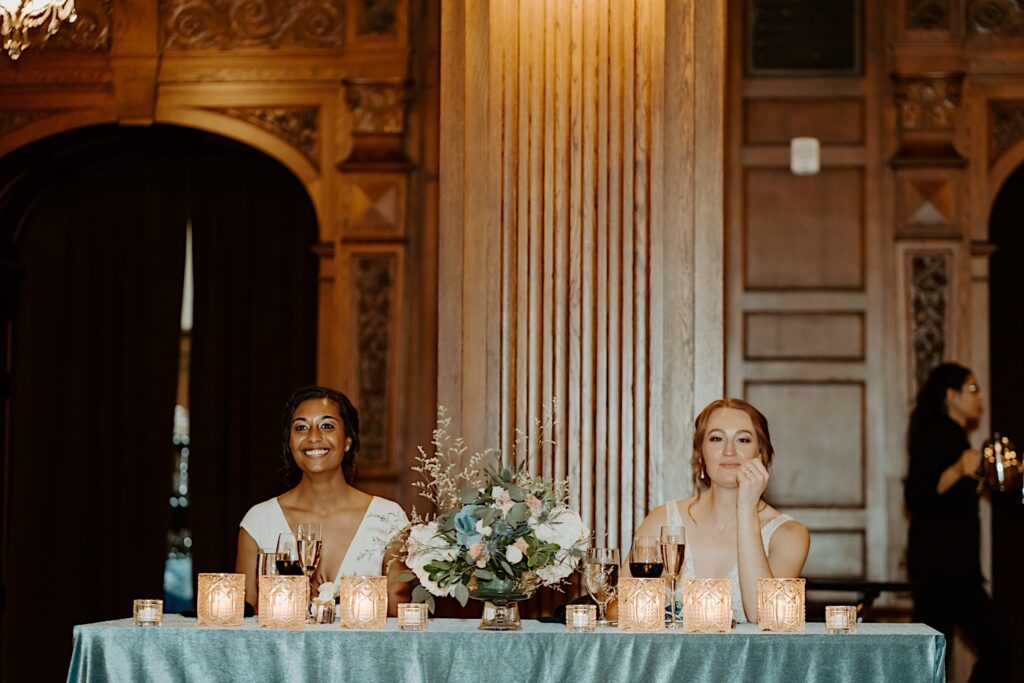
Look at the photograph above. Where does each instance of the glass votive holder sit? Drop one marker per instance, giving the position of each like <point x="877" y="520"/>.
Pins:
<point x="283" y="601"/>
<point x="148" y="612"/>
<point x="780" y="604"/>
<point x="220" y="600"/>
<point x="580" y="618"/>
<point x="364" y="601"/>
<point x="707" y="605"/>
<point x="841" y="619"/>
<point x="412" y="616"/>
<point x="641" y="604"/>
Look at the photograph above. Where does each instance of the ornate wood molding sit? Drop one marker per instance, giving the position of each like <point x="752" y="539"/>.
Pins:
<point x="1000" y="18"/>
<point x="14" y="119"/>
<point x="376" y="17"/>
<point x="927" y="14"/>
<point x="374" y="282"/>
<point x="378" y="121"/>
<point x="298" y="126"/>
<point x="927" y="107"/>
<point x="91" y="32"/>
<point x="240" y="24"/>
<point x="929" y="281"/>
<point x="1006" y="126"/>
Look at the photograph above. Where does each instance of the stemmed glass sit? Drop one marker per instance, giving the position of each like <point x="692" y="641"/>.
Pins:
<point x="673" y="552"/>
<point x="645" y="560"/>
<point x="288" y="562"/>
<point x="309" y="547"/>
<point x="601" y="575"/>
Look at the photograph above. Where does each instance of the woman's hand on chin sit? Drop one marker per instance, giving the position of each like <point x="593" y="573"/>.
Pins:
<point x="752" y="479"/>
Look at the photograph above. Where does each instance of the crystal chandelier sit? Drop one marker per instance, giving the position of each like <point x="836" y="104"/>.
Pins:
<point x="18" y="16"/>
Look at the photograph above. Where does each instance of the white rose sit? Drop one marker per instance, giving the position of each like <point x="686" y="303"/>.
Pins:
<point x="513" y="554"/>
<point x="425" y="546"/>
<point x="483" y="530"/>
<point x="563" y="565"/>
<point x="563" y="528"/>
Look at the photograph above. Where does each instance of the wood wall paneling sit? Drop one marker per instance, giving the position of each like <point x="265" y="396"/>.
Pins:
<point x="804" y="232"/>
<point x="838" y="554"/>
<point x="807" y="336"/>
<point x="554" y="229"/>
<point x="819" y="439"/>
<point x="838" y="121"/>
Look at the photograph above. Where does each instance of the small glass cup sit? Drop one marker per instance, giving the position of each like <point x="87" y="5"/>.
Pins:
<point x="580" y="618"/>
<point x="840" y="619"/>
<point x="412" y="616"/>
<point x="148" y="612"/>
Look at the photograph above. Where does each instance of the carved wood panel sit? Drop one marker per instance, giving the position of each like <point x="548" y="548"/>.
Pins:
<point x="251" y="24"/>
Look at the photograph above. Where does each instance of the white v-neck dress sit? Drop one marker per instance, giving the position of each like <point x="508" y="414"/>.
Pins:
<point x="365" y="555"/>
<point x="673" y="517"/>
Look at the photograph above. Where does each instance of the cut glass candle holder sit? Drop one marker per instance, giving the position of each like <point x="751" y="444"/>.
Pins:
<point x="364" y="602"/>
<point x="220" y="600"/>
<point x="707" y="605"/>
<point x="780" y="604"/>
<point x="641" y="604"/>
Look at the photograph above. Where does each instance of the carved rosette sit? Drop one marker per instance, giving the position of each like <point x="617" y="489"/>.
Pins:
<point x="996" y="18"/>
<point x="926" y="107"/>
<point x="91" y="32"/>
<point x="929" y="277"/>
<point x="1006" y="126"/>
<point x="378" y="120"/>
<point x="241" y="24"/>
<point x="298" y="126"/>
<point x="374" y="282"/>
<point x="927" y="14"/>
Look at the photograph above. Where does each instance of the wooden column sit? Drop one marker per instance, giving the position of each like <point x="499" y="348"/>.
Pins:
<point x="581" y="238"/>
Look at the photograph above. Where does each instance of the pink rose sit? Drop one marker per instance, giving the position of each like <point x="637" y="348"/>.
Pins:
<point x="522" y="544"/>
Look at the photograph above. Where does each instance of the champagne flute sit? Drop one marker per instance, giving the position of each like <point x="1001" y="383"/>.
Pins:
<point x="288" y="562"/>
<point x="645" y="561"/>
<point x="673" y="552"/>
<point x="601" y="575"/>
<point x="309" y="544"/>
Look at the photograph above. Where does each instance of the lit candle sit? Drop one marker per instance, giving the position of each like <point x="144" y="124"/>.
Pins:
<point x="364" y="608"/>
<point x="840" y="619"/>
<point x="780" y="604"/>
<point x="147" y="612"/>
<point x="412" y="616"/>
<point x="222" y="606"/>
<point x="580" y="618"/>
<point x="641" y="604"/>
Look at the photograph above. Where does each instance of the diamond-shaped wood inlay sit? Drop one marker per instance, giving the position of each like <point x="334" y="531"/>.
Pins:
<point x="376" y="203"/>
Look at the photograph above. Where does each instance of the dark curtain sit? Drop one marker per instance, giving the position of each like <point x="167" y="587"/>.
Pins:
<point x="94" y="371"/>
<point x="253" y="340"/>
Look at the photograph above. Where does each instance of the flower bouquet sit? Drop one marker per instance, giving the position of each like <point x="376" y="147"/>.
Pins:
<point x="498" y="532"/>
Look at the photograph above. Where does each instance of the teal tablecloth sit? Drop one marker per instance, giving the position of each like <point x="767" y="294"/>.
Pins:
<point x="454" y="650"/>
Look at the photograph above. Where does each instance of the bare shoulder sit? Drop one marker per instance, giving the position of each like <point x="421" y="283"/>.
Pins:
<point x="659" y="516"/>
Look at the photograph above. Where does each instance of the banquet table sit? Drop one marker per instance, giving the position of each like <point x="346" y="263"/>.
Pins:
<point x="455" y="650"/>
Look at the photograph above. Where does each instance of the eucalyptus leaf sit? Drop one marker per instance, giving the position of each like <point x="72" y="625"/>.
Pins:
<point x="491" y="516"/>
<point x="430" y="603"/>
<point x="506" y="475"/>
<point x="518" y="514"/>
<point x="461" y="594"/>
<point x="516" y="493"/>
<point x="405" y="577"/>
<point x="484" y="575"/>
<point x="420" y="594"/>
<point x="507" y="567"/>
<point x="468" y="494"/>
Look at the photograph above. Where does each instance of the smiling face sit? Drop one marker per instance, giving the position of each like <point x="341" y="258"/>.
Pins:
<point x="317" y="439"/>
<point x="730" y="441"/>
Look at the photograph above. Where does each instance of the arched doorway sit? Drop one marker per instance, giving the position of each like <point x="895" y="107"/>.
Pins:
<point x="92" y="228"/>
<point x="1006" y="315"/>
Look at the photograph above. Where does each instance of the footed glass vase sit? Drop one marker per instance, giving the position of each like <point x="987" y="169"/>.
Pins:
<point x="500" y="598"/>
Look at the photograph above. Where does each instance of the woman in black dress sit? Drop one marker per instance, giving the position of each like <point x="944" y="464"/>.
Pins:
<point x="942" y="498"/>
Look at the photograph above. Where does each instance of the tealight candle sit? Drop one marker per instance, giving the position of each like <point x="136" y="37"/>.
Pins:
<point x="412" y="616"/>
<point x="220" y="599"/>
<point x="580" y="618"/>
<point x="148" y="612"/>
<point x="841" y="619"/>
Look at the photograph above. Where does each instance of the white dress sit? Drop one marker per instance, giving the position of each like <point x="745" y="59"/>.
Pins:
<point x="365" y="555"/>
<point x="675" y="519"/>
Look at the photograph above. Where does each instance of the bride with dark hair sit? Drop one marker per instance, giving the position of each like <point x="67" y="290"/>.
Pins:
<point x="320" y="441"/>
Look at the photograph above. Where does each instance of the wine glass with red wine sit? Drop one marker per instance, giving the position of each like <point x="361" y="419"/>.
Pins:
<point x="288" y="561"/>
